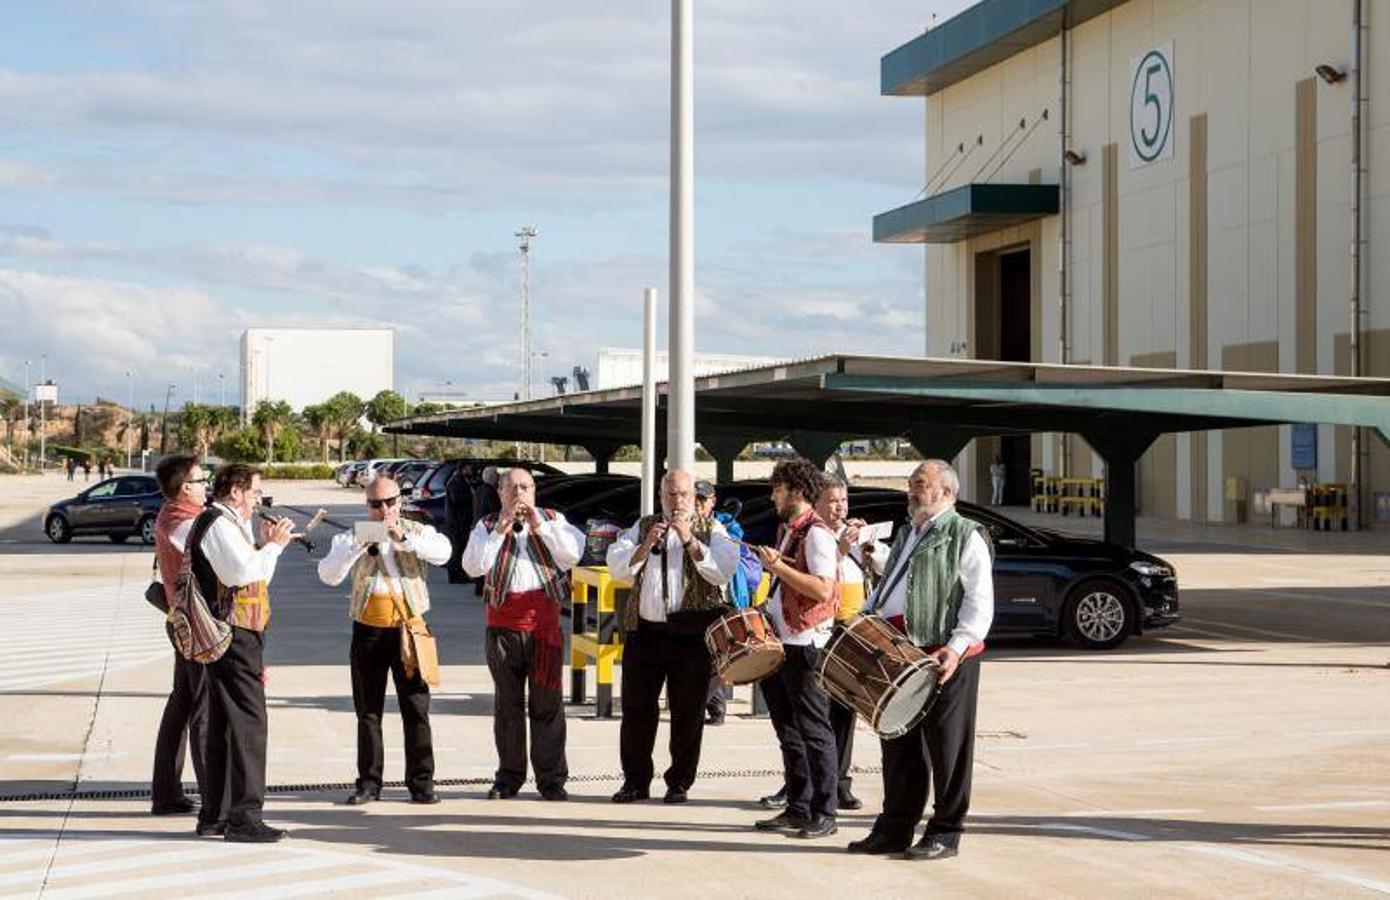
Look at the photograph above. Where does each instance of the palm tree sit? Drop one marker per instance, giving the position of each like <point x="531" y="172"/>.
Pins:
<point x="272" y="417"/>
<point x="320" y="422"/>
<point x="344" y="410"/>
<point x="11" y="408"/>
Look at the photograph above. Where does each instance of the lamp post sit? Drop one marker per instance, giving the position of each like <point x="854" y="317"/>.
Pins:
<point x="28" y="428"/>
<point x="680" y="418"/>
<point x="164" y="423"/>
<point x="222" y="389"/>
<point x="130" y="411"/>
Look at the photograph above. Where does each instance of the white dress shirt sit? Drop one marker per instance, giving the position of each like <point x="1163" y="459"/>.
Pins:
<point x="823" y="561"/>
<point x="428" y="544"/>
<point x="976" y="574"/>
<point x="231" y="549"/>
<point x="718" y="561"/>
<point x="564" y="541"/>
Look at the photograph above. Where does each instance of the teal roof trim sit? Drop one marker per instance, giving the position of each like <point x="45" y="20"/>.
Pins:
<point x="985" y="34"/>
<point x="965" y="212"/>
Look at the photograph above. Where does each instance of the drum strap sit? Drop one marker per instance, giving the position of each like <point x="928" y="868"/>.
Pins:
<point x="904" y="563"/>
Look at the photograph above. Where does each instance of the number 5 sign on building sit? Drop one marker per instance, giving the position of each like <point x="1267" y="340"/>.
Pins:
<point x="1151" y="106"/>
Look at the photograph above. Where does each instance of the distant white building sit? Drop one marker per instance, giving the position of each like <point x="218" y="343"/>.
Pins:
<point x="304" y="366"/>
<point x="620" y="367"/>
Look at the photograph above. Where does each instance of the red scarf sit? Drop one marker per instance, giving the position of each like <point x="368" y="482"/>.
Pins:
<point x="171" y="515"/>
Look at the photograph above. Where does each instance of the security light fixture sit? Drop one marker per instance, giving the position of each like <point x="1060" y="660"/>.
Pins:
<point x="1329" y="73"/>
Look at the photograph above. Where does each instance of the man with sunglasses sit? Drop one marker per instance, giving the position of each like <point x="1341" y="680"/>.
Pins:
<point x="183" y="727"/>
<point x="388" y="589"/>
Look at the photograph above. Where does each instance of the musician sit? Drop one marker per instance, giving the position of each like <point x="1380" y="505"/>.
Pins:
<point x="234" y="576"/>
<point x="388" y="589"/>
<point x="857" y="563"/>
<point x="801" y="604"/>
<point x="525" y="553"/>
<point x="679" y="564"/>
<point x="938" y="588"/>
<point x="185" y="720"/>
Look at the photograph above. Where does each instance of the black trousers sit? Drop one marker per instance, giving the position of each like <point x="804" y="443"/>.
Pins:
<point x="842" y="725"/>
<point x="654" y="656"/>
<point x="234" y="789"/>
<point x="183" y="727"/>
<point x="937" y="754"/>
<point x="516" y="697"/>
<point x="717" y="704"/>
<point x="374" y="653"/>
<point x="800" y="711"/>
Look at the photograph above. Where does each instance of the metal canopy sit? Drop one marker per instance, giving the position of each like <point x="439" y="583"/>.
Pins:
<point x="965" y="212"/>
<point x="940" y="405"/>
<point x="973" y="40"/>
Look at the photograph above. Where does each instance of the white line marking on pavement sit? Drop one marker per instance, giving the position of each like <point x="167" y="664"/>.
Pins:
<point x="1277" y="862"/>
<point x="177" y="879"/>
<point x="1301" y="638"/>
<point x="1356" y="732"/>
<point x="1199" y="739"/>
<point x="1340" y="804"/>
<point x="172" y="853"/>
<point x="1090" y="829"/>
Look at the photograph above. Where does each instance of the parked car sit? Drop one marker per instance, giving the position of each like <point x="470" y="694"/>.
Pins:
<point x="410" y="471"/>
<point x="120" y="508"/>
<point x="426" y="503"/>
<point x="1046" y="583"/>
<point x="347" y="472"/>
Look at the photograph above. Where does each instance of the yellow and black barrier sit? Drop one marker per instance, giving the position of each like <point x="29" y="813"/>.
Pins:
<point x="605" y="646"/>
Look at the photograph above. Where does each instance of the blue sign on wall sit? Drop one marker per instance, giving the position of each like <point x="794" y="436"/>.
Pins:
<point x="1303" y="449"/>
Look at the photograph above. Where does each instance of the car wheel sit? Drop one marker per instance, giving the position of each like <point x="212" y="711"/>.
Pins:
<point x="147" y="530"/>
<point x="118" y="538"/>
<point x="1099" y="615"/>
<point x="58" y="530"/>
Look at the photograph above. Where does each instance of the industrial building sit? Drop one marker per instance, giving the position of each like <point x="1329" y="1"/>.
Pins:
<point x="1183" y="184"/>
<point x="304" y="366"/>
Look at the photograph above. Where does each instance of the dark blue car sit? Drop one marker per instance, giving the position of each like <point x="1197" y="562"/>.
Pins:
<point x="119" y="508"/>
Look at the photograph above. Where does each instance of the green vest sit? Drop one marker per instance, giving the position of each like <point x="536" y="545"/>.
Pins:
<point x="934" y="589"/>
<point x="697" y="594"/>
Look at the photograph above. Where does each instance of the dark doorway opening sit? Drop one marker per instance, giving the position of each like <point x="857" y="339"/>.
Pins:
<point x="1005" y="314"/>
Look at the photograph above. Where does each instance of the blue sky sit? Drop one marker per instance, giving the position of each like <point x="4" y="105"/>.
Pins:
<point x="174" y="171"/>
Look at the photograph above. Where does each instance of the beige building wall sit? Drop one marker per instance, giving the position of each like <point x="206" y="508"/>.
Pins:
<point x="1269" y="213"/>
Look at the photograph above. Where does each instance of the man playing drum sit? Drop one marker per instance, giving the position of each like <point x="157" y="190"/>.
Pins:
<point x="938" y="588"/>
<point x="679" y="564"/>
<point x="801" y="604"/>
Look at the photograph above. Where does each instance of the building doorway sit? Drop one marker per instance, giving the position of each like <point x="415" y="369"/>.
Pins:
<point x="1004" y="331"/>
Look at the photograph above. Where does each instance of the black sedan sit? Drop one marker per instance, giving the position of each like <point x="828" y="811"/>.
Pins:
<point x="1045" y="583"/>
<point x="120" y="508"/>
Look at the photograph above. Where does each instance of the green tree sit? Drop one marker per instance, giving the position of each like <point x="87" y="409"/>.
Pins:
<point x="242" y="445"/>
<point x="345" y="409"/>
<point x="386" y="406"/>
<point x="12" y="408"/>
<point x="200" y="426"/>
<point x="271" y="417"/>
<point x="319" y="421"/>
<point x="427" y="409"/>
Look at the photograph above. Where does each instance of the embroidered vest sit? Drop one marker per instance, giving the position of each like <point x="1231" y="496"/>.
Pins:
<point x="697" y="594"/>
<point x="934" y="589"/>
<point x="554" y="581"/>
<point x="798" y="611"/>
<point x="243" y="606"/>
<point x="412" y="577"/>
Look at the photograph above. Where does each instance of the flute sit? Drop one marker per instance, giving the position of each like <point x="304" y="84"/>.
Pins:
<point x="301" y="539"/>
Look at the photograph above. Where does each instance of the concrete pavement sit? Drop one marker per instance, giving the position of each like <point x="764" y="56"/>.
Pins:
<point x="1241" y="753"/>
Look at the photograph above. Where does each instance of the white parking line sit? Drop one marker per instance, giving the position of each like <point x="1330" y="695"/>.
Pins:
<point x="1341" y="804"/>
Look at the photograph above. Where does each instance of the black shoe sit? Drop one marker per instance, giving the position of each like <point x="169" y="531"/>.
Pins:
<point x="180" y="807"/>
<point x="877" y="845"/>
<point x="818" y="826"/>
<point x="930" y="847"/>
<point x="254" y="833"/>
<point x="425" y="798"/>
<point x="775" y="801"/>
<point x="500" y="791"/>
<point x="210" y="829"/>
<point x="849" y="801"/>
<point x="557" y="794"/>
<point x="629" y="794"/>
<point x="674" y="795"/>
<point x="786" y="821"/>
<point x="712" y="719"/>
<point x="362" y="798"/>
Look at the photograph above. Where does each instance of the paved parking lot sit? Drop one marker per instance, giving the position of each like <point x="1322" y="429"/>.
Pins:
<point x="1242" y="753"/>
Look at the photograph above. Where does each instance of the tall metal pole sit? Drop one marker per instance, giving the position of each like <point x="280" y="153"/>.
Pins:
<point x="222" y="388"/>
<point x="649" y="302"/>
<point x="130" y="411"/>
<point x="43" y="416"/>
<point x="680" y="420"/>
<point x="1355" y="513"/>
<point x="525" y="234"/>
<point x="28" y="428"/>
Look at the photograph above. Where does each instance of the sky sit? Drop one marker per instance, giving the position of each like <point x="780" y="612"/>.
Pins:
<point x="173" y="172"/>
